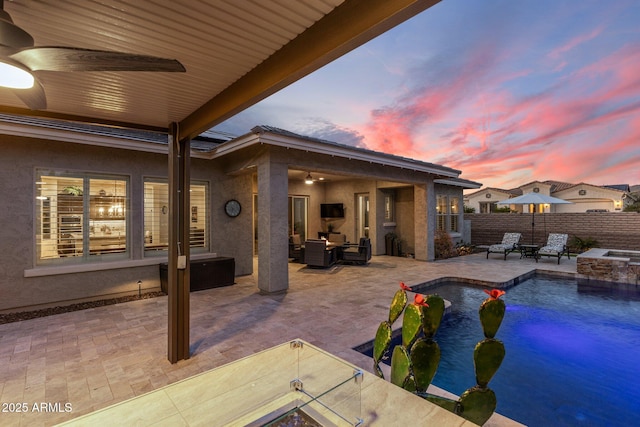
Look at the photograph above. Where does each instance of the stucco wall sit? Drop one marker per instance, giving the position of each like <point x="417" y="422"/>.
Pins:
<point x="405" y="221"/>
<point x="21" y="157"/>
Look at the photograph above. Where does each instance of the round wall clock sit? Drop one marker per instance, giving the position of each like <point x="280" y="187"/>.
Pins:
<point x="232" y="208"/>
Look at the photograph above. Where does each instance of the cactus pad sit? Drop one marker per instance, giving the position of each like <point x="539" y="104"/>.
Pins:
<point x="432" y="316"/>
<point x="411" y="324"/>
<point x="491" y="315"/>
<point x="382" y="341"/>
<point x="487" y="358"/>
<point x="400" y="366"/>
<point x="425" y="357"/>
<point x="477" y="404"/>
<point x="397" y="305"/>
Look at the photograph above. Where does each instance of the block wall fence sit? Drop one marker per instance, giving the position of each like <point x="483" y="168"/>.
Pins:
<point x="612" y="230"/>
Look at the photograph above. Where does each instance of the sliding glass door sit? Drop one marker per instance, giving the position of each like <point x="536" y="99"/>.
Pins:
<point x="298" y="216"/>
<point x="362" y="215"/>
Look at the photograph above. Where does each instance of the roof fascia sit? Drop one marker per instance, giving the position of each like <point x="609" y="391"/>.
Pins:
<point x="63" y="135"/>
<point x="79" y="119"/>
<point x="349" y="25"/>
<point x="469" y="185"/>
<point x="347" y="152"/>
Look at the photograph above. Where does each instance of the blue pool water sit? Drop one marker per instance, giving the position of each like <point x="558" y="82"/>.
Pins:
<point x="572" y="351"/>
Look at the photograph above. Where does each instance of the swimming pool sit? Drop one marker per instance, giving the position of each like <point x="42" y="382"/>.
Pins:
<point x="572" y="351"/>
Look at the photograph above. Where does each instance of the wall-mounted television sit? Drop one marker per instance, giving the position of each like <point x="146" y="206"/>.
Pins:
<point x="332" y="210"/>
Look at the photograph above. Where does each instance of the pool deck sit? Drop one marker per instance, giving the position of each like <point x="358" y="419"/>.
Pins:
<point x="98" y="357"/>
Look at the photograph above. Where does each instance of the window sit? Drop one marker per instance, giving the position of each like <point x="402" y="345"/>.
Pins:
<point x="156" y="216"/>
<point x="453" y="214"/>
<point x="486" y="207"/>
<point x="447" y="209"/>
<point x="389" y="202"/>
<point x="80" y="217"/>
<point x="442" y="212"/>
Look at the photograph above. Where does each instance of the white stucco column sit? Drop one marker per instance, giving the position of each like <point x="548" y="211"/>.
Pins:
<point x="273" y="238"/>
<point x="424" y="199"/>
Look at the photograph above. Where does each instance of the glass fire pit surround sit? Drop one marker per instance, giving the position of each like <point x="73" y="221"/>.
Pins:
<point x="292" y="384"/>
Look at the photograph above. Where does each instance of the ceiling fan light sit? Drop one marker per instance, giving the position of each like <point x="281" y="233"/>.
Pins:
<point x="308" y="179"/>
<point x="15" y="77"/>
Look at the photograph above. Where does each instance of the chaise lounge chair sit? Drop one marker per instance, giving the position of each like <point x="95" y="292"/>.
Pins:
<point x="509" y="244"/>
<point x="556" y="246"/>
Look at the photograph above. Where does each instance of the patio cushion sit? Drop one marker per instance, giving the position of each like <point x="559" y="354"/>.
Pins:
<point x="509" y="241"/>
<point x="509" y="244"/>
<point x="556" y="246"/>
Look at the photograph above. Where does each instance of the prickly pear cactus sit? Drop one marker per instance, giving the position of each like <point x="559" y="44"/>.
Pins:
<point x="415" y="362"/>
<point x="491" y="313"/>
<point x="397" y="305"/>
<point x="400" y="366"/>
<point x="487" y="358"/>
<point x="433" y="316"/>
<point x="383" y="335"/>
<point x="411" y="324"/>
<point x="425" y="358"/>
<point x="478" y="403"/>
<point x="381" y="345"/>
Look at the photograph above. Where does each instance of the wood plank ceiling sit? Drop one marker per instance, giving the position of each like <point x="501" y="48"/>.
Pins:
<point x="235" y="53"/>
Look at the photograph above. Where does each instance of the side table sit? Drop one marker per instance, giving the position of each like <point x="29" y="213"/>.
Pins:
<point x="529" y="251"/>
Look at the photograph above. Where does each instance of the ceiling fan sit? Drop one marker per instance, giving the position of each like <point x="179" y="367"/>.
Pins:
<point x="20" y="60"/>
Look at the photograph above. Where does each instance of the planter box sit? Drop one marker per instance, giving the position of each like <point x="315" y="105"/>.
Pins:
<point x="205" y="273"/>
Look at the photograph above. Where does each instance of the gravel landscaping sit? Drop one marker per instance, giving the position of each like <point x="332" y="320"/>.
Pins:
<point x="26" y="315"/>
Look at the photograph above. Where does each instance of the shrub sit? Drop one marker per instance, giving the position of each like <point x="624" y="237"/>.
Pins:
<point x="444" y="245"/>
<point x="579" y="245"/>
<point x="464" y="249"/>
<point x="632" y="208"/>
<point x="469" y="209"/>
<point x="505" y="209"/>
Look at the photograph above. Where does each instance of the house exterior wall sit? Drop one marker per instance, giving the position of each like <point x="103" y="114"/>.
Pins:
<point x="20" y="283"/>
<point x="487" y="195"/>
<point x="585" y="197"/>
<point x="24" y="285"/>
<point x="405" y="227"/>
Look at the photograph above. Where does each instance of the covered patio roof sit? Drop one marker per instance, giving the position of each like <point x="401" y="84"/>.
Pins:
<point x="235" y="54"/>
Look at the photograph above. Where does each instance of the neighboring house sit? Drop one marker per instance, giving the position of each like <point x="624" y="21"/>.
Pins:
<point x="86" y="212"/>
<point x="484" y="200"/>
<point x="583" y="197"/>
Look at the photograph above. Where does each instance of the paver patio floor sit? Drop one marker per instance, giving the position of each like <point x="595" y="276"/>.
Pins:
<point x="97" y="357"/>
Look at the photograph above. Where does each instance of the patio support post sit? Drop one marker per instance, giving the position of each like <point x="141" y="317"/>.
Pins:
<point x="424" y="199"/>
<point x="178" y="271"/>
<point x="431" y="219"/>
<point x="273" y="235"/>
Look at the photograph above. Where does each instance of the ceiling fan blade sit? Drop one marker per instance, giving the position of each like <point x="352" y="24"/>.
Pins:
<point x="33" y="98"/>
<point x="50" y="58"/>
<point x="10" y="34"/>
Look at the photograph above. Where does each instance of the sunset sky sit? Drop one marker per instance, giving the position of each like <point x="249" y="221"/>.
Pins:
<point x="506" y="91"/>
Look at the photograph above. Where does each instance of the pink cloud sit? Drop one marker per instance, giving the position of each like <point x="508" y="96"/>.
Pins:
<point x="582" y="127"/>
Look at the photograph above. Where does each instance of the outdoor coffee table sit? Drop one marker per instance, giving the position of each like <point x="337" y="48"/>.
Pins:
<point x="529" y="251"/>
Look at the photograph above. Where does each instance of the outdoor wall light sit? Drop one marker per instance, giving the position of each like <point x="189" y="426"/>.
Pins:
<point x="14" y="77"/>
<point x="308" y="179"/>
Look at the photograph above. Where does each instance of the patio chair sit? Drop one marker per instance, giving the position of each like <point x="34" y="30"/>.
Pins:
<point x="357" y="254"/>
<point x="556" y="246"/>
<point x="295" y="247"/>
<point x="509" y="244"/>
<point x="316" y="254"/>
